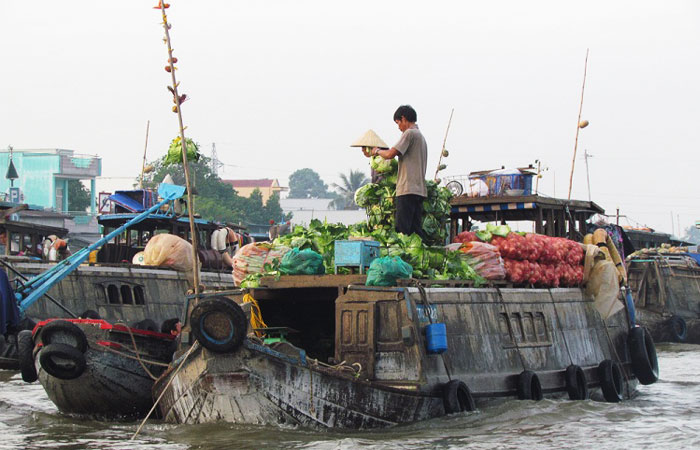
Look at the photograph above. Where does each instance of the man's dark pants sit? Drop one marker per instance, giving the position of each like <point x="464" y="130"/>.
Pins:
<point x="409" y="214"/>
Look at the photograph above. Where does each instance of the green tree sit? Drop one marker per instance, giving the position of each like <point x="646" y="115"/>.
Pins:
<point x="346" y="189"/>
<point x="305" y="183"/>
<point x="78" y="196"/>
<point x="215" y="200"/>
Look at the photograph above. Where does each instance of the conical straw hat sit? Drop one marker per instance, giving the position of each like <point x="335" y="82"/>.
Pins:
<point x="369" y="139"/>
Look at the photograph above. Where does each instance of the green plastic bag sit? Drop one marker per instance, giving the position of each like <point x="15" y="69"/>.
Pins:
<point x="302" y="262"/>
<point x="385" y="271"/>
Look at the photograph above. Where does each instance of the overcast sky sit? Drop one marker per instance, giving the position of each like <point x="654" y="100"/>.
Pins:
<point x="283" y="85"/>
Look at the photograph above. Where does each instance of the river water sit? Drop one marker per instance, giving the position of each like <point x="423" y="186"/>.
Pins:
<point x="663" y="415"/>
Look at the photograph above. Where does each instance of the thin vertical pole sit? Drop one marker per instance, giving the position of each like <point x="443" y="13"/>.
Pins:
<point x="145" y="147"/>
<point x="580" y="109"/>
<point x="190" y="202"/>
<point x="587" y="155"/>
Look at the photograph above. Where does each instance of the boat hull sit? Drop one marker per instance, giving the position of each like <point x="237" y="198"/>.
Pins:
<point x="384" y="375"/>
<point x="120" y="293"/>
<point x="667" y="291"/>
<point x="117" y="380"/>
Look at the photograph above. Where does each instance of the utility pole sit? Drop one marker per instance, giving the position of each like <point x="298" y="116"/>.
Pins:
<point x="617" y="217"/>
<point x="587" y="155"/>
<point x="673" y="226"/>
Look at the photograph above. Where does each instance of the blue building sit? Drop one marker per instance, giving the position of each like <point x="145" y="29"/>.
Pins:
<point x="43" y="174"/>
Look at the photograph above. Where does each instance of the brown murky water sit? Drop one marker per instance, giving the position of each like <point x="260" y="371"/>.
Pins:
<point x="663" y="415"/>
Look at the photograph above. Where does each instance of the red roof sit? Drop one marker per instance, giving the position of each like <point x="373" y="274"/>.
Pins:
<point x="264" y="182"/>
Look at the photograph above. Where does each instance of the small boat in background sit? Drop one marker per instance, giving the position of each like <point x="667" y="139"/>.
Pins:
<point x="94" y="368"/>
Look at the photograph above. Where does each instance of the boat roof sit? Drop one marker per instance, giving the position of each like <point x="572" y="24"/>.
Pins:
<point x="549" y="214"/>
<point x="153" y="221"/>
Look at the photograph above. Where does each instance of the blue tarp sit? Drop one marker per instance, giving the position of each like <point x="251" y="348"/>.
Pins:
<point x="9" y="312"/>
<point x="127" y="202"/>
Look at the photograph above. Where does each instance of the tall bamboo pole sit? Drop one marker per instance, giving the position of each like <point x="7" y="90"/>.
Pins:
<point x="145" y="147"/>
<point x="190" y="202"/>
<point x="442" y="150"/>
<point x="578" y="122"/>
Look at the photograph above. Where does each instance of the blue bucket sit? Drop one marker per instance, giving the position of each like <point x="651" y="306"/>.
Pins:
<point x="436" y="338"/>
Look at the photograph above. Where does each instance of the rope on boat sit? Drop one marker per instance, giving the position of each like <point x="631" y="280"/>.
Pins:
<point x="138" y="355"/>
<point x="256" y="320"/>
<point x="126" y="355"/>
<point x="355" y="368"/>
<point x="561" y="329"/>
<point x="172" y="377"/>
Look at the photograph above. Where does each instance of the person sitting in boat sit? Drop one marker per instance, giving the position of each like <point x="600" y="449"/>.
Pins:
<point x="171" y="326"/>
<point x="227" y="242"/>
<point x="55" y="248"/>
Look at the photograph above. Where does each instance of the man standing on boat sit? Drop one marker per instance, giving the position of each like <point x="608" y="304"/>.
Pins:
<point x="412" y="151"/>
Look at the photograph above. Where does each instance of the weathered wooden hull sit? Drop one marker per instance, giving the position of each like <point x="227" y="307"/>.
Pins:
<point x="117" y="382"/>
<point x="259" y="386"/>
<point x="120" y="293"/>
<point x="663" y="289"/>
<point x="493" y="335"/>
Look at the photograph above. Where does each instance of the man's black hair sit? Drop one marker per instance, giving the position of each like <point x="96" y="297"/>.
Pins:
<point x="406" y="111"/>
<point x="169" y="325"/>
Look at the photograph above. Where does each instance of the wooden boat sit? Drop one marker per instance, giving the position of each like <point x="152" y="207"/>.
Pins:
<point x="112" y="286"/>
<point x="94" y="368"/>
<point x="365" y="357"/>
<point x="666" y="289"/>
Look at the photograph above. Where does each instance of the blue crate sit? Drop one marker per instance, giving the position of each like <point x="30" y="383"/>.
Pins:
<point x="358" y="254"/>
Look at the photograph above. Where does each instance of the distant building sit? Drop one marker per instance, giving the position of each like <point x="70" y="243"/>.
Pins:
<point x="266" y="186"/>
<point x="43" y="174"/>
<point x="304" y="210"/>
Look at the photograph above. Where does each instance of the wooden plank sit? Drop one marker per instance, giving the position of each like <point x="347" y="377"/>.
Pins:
<point x="310" y="281"/>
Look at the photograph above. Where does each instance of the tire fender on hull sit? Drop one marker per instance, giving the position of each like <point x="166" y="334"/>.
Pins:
<point x="219" y="324"/>
<point x="611" y="382"/>
<point x="52" y="330"/>
<point x="645" y="364"/>
<point x="62" y="361"/>
<point x="678" y="329"/>
<point x="529" y="387"/>
<point x="457" y="397"/>
<point x="576" y="384"/>
<point x="25" y="349"/>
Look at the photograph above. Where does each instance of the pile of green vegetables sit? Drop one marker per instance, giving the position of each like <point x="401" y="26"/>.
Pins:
<point x="428" y="258"/>
<point x="378" y="201"/>
<point x="436" y="263"/>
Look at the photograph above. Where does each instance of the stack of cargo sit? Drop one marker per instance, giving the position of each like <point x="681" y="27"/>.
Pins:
<point x="530" y="258"/>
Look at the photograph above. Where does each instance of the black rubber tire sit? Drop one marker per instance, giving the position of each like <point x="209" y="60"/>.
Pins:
<point x="611" y="381"/>
<point x="65" y="352"/>
<point x="147" y="325"/>
<point x="678" y="329"/>
<point x="457" y="397"/>
<point x="25" y="355"/>
<point x="529" y="387"/>
<point x="62" y="326"/>
<point x="645" y="364"/>
<point x="90" y="314"/>
<point x="219" y="324"/>
<point x="576" y="384"/>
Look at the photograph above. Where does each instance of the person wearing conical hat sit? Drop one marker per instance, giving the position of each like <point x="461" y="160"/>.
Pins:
<point x="412" y="152"/>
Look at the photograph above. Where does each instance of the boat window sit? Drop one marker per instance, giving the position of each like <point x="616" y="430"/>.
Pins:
<point x="113" y="294"/>
<point x="138" y="295"/>
<point x="127" y="297"/>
